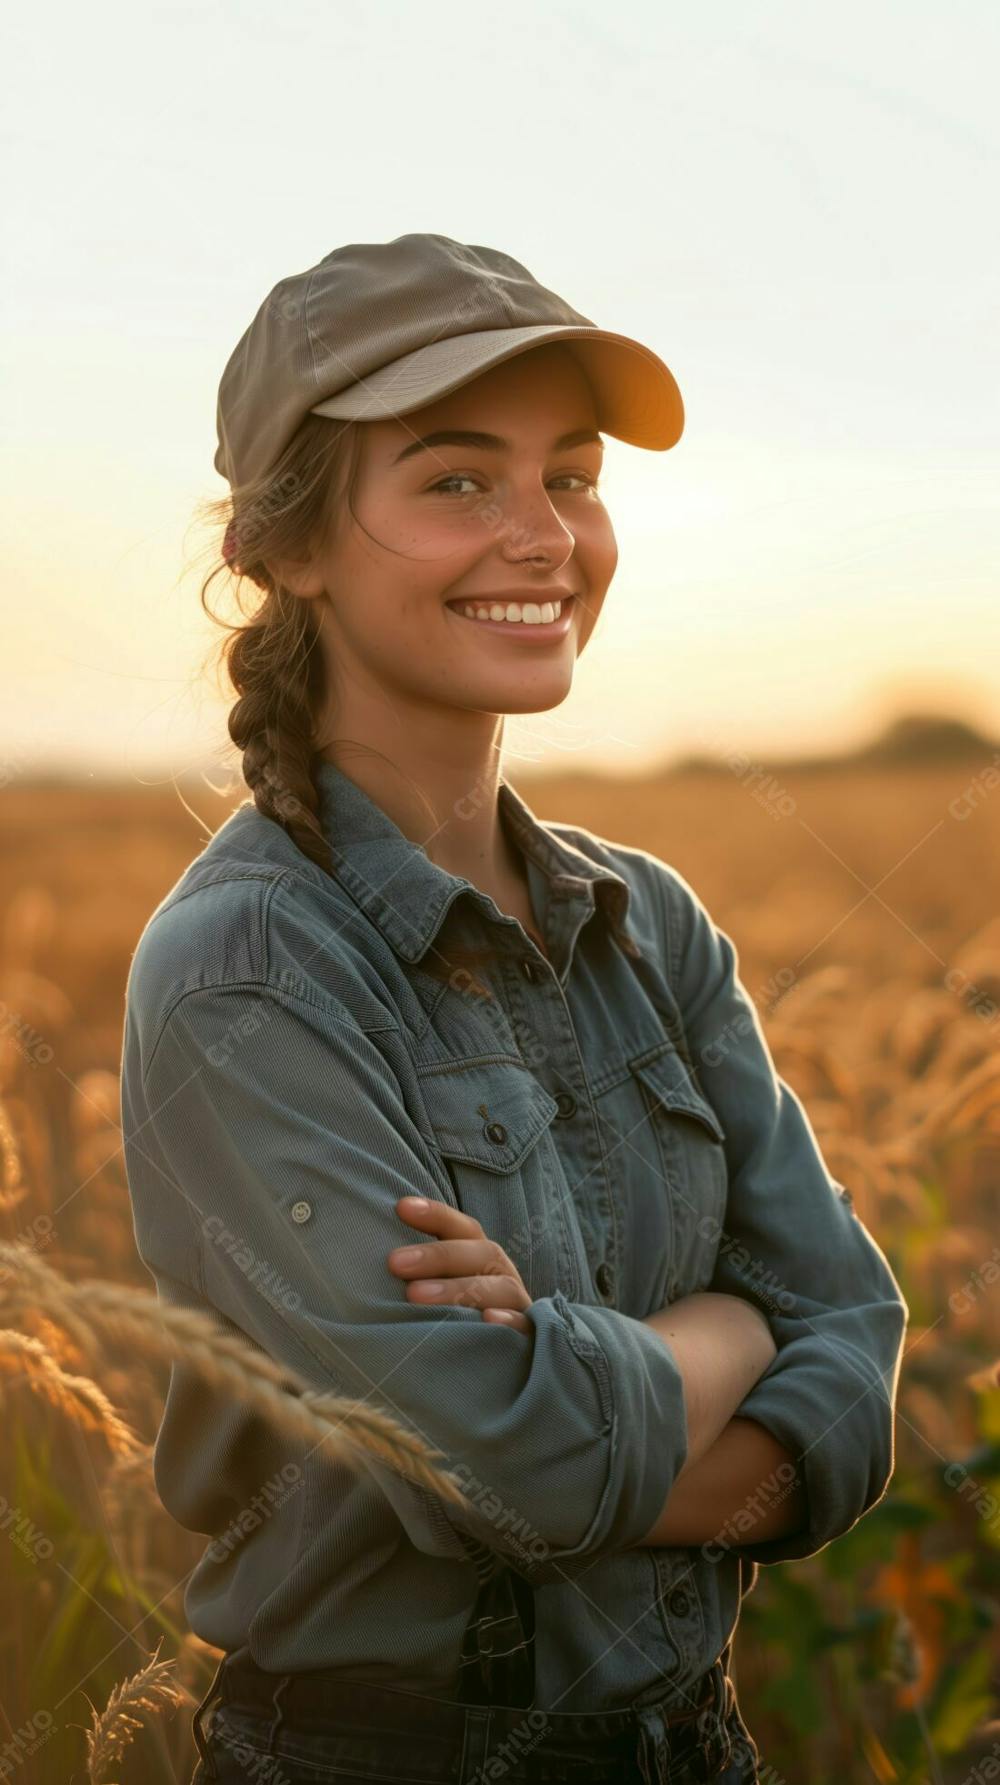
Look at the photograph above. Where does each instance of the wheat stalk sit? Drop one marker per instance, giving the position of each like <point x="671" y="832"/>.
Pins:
<point x="12" y="1188"/>
<point x="151" y="1689"/>
<point x="976" y="1096"/>
<point x="160" y="1332"/>
<point x="80" y="1399"/>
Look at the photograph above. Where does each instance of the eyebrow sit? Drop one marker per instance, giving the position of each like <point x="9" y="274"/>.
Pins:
<point x="490" y="442"/>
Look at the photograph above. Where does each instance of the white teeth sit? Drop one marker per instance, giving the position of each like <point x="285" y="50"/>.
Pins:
<point x="527" y="614"/>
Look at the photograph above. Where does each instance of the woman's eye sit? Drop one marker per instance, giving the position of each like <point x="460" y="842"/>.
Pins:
<point x="590" y="483"/>
<point x="456" y="477"/>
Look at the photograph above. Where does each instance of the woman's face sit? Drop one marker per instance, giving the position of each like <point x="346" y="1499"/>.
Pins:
<point x="485" y="522"/>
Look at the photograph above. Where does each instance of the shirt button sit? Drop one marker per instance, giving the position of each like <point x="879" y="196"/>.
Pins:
<point x="567" y="1105"/>
<point x="604" y="1277"/>
<point x="495" y="1131"/>
<point x="301" y="1211"/>
<point x="679" y="1603"/>
<point x="529" y="969"/>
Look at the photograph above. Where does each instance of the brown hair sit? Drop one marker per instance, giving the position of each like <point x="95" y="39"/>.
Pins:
<point x="273" y="658"/>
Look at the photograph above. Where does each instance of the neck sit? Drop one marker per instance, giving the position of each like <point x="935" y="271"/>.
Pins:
<point x="444" y="800"/>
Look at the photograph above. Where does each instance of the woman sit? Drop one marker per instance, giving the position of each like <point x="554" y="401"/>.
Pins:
<point x="387" y="1004"/>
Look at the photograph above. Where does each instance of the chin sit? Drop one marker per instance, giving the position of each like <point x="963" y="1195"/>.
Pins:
<point x="540" y="697"/>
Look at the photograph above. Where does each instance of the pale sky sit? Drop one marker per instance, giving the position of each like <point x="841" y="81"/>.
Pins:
<point x="793" y="206"/>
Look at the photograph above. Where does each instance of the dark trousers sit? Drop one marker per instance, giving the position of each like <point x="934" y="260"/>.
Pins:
<point x="317" y="1728"/>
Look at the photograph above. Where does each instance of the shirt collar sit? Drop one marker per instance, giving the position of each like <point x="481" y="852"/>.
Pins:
<point x="408" y="896"/>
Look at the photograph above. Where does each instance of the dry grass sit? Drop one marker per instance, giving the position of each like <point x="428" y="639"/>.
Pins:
<point x="151" y="1690"/>
<point x="109" y="1318"/>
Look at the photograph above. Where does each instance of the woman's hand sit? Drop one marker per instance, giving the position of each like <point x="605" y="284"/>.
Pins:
<point x="461" y="1266"/>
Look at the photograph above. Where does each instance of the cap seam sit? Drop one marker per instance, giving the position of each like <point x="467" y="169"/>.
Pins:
<point x="309" y="333"/>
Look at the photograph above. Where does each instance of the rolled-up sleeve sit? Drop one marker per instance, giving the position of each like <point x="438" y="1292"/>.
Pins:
<point x="277" y="1134"/>
<point x="790" y="1242"/>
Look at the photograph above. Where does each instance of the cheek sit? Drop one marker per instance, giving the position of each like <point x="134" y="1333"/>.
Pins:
<point x="403" y="542"/>
<point x="395" y="602"/>
<point x="596" y="558"/>
<point x="381" y="624"/>
<point x="403" y="624"/>
<point x="597" y="548"/>
<point x="588" y="620"/>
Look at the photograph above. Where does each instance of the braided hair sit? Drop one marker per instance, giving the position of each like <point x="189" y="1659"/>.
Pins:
<point x="274" y="659"/>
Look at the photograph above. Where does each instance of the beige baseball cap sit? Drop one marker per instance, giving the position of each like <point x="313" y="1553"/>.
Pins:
<point x="377" y="329"/>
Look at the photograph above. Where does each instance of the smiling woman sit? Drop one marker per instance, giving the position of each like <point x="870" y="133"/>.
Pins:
<point x="387" y="1006"/>
<point x="529" y="529"/>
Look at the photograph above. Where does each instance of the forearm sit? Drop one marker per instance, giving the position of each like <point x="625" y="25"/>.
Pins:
<point x="722" y="1345"/>
<point x="746" y="1488"/>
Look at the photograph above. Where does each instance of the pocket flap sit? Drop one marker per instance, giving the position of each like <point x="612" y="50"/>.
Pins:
<point x="672" y="1083"/>
<point x="487" y="1113"/>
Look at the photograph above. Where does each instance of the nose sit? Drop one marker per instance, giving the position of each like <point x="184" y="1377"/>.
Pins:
<point x="531" y="528"/>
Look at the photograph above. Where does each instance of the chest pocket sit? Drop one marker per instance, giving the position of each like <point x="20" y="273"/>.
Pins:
<point x="491" y="1121"/>
<point x="690" y="1142"/>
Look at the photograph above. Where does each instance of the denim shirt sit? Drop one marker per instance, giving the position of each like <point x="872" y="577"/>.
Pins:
<point x="612" y="1117"/>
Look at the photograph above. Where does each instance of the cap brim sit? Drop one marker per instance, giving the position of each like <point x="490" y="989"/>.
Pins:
<point x="635" y="394"/>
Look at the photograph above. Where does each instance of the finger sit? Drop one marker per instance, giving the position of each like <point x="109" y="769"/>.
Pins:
<point x="450" y="1258"/>
<point x="436" y="1217"/>
<point x="507" y="1317"/>
<point x="470" y="1292"/>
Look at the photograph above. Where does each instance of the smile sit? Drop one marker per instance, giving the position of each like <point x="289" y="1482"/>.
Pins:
<point x="522" y="620"/>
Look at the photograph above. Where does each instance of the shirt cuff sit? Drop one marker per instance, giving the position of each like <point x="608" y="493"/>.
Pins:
<point x="844" y="1468"/>
<point x="641" y="1393"/>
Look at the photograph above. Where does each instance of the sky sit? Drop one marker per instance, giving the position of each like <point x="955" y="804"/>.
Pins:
<point x="790" y="204"/>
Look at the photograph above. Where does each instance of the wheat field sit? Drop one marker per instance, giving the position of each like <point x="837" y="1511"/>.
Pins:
<point x="865" y="903"/>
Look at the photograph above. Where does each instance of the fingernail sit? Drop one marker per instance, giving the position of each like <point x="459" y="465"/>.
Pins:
<point x="431" y="1287"/>
<point x="416" y="1202"/>
<point x="408" y="1255"/>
